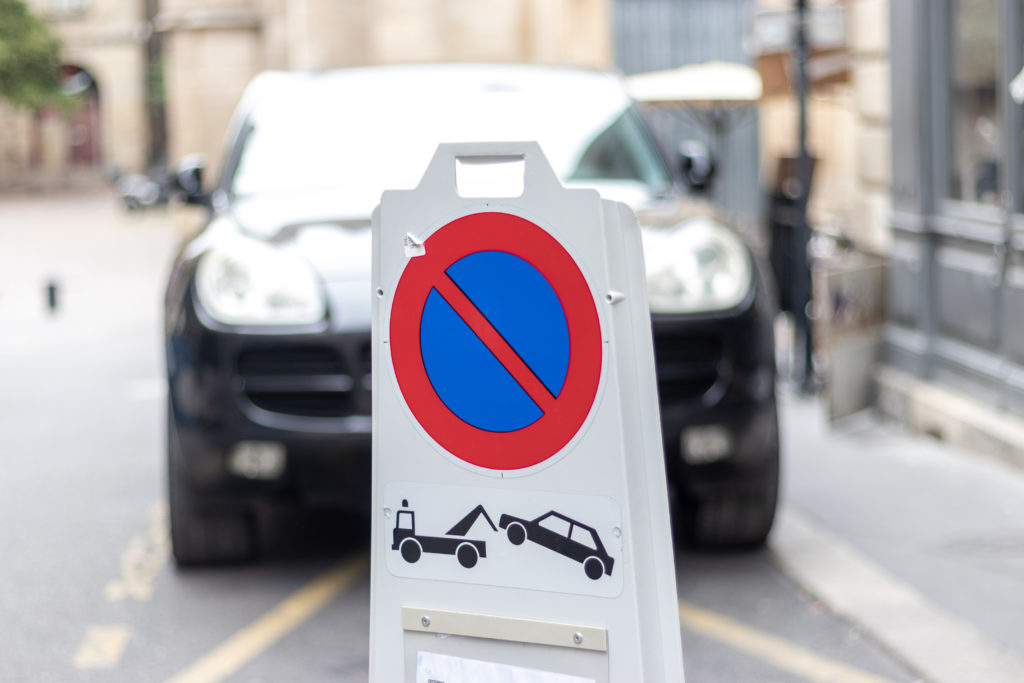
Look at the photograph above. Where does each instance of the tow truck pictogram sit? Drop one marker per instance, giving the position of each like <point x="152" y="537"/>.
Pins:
<point x="412" y="546"/>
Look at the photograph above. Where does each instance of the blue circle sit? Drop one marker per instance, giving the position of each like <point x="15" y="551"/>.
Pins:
<point x="523" y="308"/>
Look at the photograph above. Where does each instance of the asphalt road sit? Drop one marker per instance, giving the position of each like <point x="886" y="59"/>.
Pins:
<point x="87" y="591"/>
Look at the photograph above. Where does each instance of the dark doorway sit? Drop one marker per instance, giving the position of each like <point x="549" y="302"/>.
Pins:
<point x="84" y="129"/>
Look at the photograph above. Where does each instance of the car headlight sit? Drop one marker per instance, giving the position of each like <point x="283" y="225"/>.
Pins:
<point x="246" y="282"/>
<point x="697" y="266"/>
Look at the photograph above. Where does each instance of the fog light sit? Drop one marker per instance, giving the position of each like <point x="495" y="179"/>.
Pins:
<point x="704" y="444"/>
<point x="257" y="459"/>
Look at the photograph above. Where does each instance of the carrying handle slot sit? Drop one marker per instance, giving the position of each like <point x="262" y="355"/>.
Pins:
<point x="490" y="175"/>
<point x="489" y="169"/>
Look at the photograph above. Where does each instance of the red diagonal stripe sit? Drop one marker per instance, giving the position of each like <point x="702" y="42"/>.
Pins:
<point x="496" y="344"/>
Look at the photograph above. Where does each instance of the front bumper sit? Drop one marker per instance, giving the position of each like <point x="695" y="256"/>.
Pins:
<point x="308" y="390"/>
<point x="717" y="372"/>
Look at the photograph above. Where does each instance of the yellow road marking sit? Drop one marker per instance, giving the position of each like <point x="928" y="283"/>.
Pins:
<point x="771" y="649"/>
<point x="244" y="646"/>
<point x="142" y="561"/>
<point x="102" y="647"/>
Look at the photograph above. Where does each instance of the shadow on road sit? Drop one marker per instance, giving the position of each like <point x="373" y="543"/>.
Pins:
<point x="290" y="534"/>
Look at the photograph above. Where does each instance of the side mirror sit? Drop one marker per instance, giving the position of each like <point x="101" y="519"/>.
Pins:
<point x="189" y="179"/>
<point x="697" y="165"/>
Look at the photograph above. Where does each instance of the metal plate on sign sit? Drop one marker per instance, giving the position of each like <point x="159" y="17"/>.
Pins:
<point x="447" y="623"/>
<point x="502" y="537"/>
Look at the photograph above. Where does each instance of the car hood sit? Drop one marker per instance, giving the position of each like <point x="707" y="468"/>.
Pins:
<point x="279" y="217"/>
<point x="333" y="234"/>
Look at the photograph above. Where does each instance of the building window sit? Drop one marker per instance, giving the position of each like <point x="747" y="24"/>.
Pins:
<point x="977" y="130"/>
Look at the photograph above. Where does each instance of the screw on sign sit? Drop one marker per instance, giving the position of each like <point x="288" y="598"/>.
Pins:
<point x="496" y="342"/>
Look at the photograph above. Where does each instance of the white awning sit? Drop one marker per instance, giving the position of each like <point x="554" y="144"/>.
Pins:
<point x="711" y="84"/>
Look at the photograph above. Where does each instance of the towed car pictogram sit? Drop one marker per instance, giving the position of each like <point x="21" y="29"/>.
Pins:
<point x="563" y="535"/>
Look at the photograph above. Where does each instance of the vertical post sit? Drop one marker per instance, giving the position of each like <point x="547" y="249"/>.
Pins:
<point x="802" y="284"/>
<point x="156" y="110"/>
<point x="51" y="296"/>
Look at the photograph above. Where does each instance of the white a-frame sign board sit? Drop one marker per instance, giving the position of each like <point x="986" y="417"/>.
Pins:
<point x="520" y="525"/>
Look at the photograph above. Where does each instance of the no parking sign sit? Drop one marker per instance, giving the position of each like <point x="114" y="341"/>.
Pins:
<point x="520" y="525"/>
<point x="496" y="342"/>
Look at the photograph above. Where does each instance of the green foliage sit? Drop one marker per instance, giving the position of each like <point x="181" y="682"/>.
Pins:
<point x="29" y="58"/>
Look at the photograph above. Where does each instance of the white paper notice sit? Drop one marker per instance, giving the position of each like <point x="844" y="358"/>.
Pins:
<point x="435" y="668"/>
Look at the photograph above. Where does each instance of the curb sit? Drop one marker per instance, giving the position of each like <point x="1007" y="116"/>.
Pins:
<point x="931" y="642"/>
<point x="950" y="416"/>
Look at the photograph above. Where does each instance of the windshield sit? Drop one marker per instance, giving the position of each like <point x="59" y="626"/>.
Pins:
<point x="361" y="133"/>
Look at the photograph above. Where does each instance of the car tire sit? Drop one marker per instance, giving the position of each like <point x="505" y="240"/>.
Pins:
<point x="467" y="555"/>
<point x="735" y="521"/>
<point x="410" y="550"/>
<point x="593" y="567"/>
<point x="516" y="533"/>
<point x="199" y="536"/>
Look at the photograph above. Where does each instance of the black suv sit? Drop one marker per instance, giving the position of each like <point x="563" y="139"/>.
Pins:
<point x="268" y="307"/>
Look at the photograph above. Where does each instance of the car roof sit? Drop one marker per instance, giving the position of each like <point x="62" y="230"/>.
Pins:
<point x="571" y="521"/>
<point x="393" y="117"/>
<point x="409" y="83"/>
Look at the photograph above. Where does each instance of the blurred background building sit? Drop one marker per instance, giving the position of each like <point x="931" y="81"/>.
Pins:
<point x="214" y="47"/>
<point x="106" y="63"/>
<point x="917" y="204"/>
<point x="159" y="78"/>
<point x="956" y="277"/>
<point x="849" y="138"/>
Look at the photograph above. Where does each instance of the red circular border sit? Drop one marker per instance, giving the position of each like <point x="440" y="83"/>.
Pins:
<point x="535" y="443"/>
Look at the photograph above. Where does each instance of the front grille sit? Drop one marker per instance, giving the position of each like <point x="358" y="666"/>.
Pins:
<point x="289" y="360"/>
<point x="688" y="364"/>
<point x="303" y="380"/>
<point x="307" y="404"/>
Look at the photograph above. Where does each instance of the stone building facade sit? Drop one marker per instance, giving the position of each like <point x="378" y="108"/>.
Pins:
<point x="922" y="170"/>
<point x="848" y="112"/>
<point x="104" y="53"/>
<point x="953" y="344"/>
<point x="214" y="47"/>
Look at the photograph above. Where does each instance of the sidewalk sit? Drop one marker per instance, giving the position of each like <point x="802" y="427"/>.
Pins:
<point x="929" y="408"/>
<point x="917" y="542"/>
